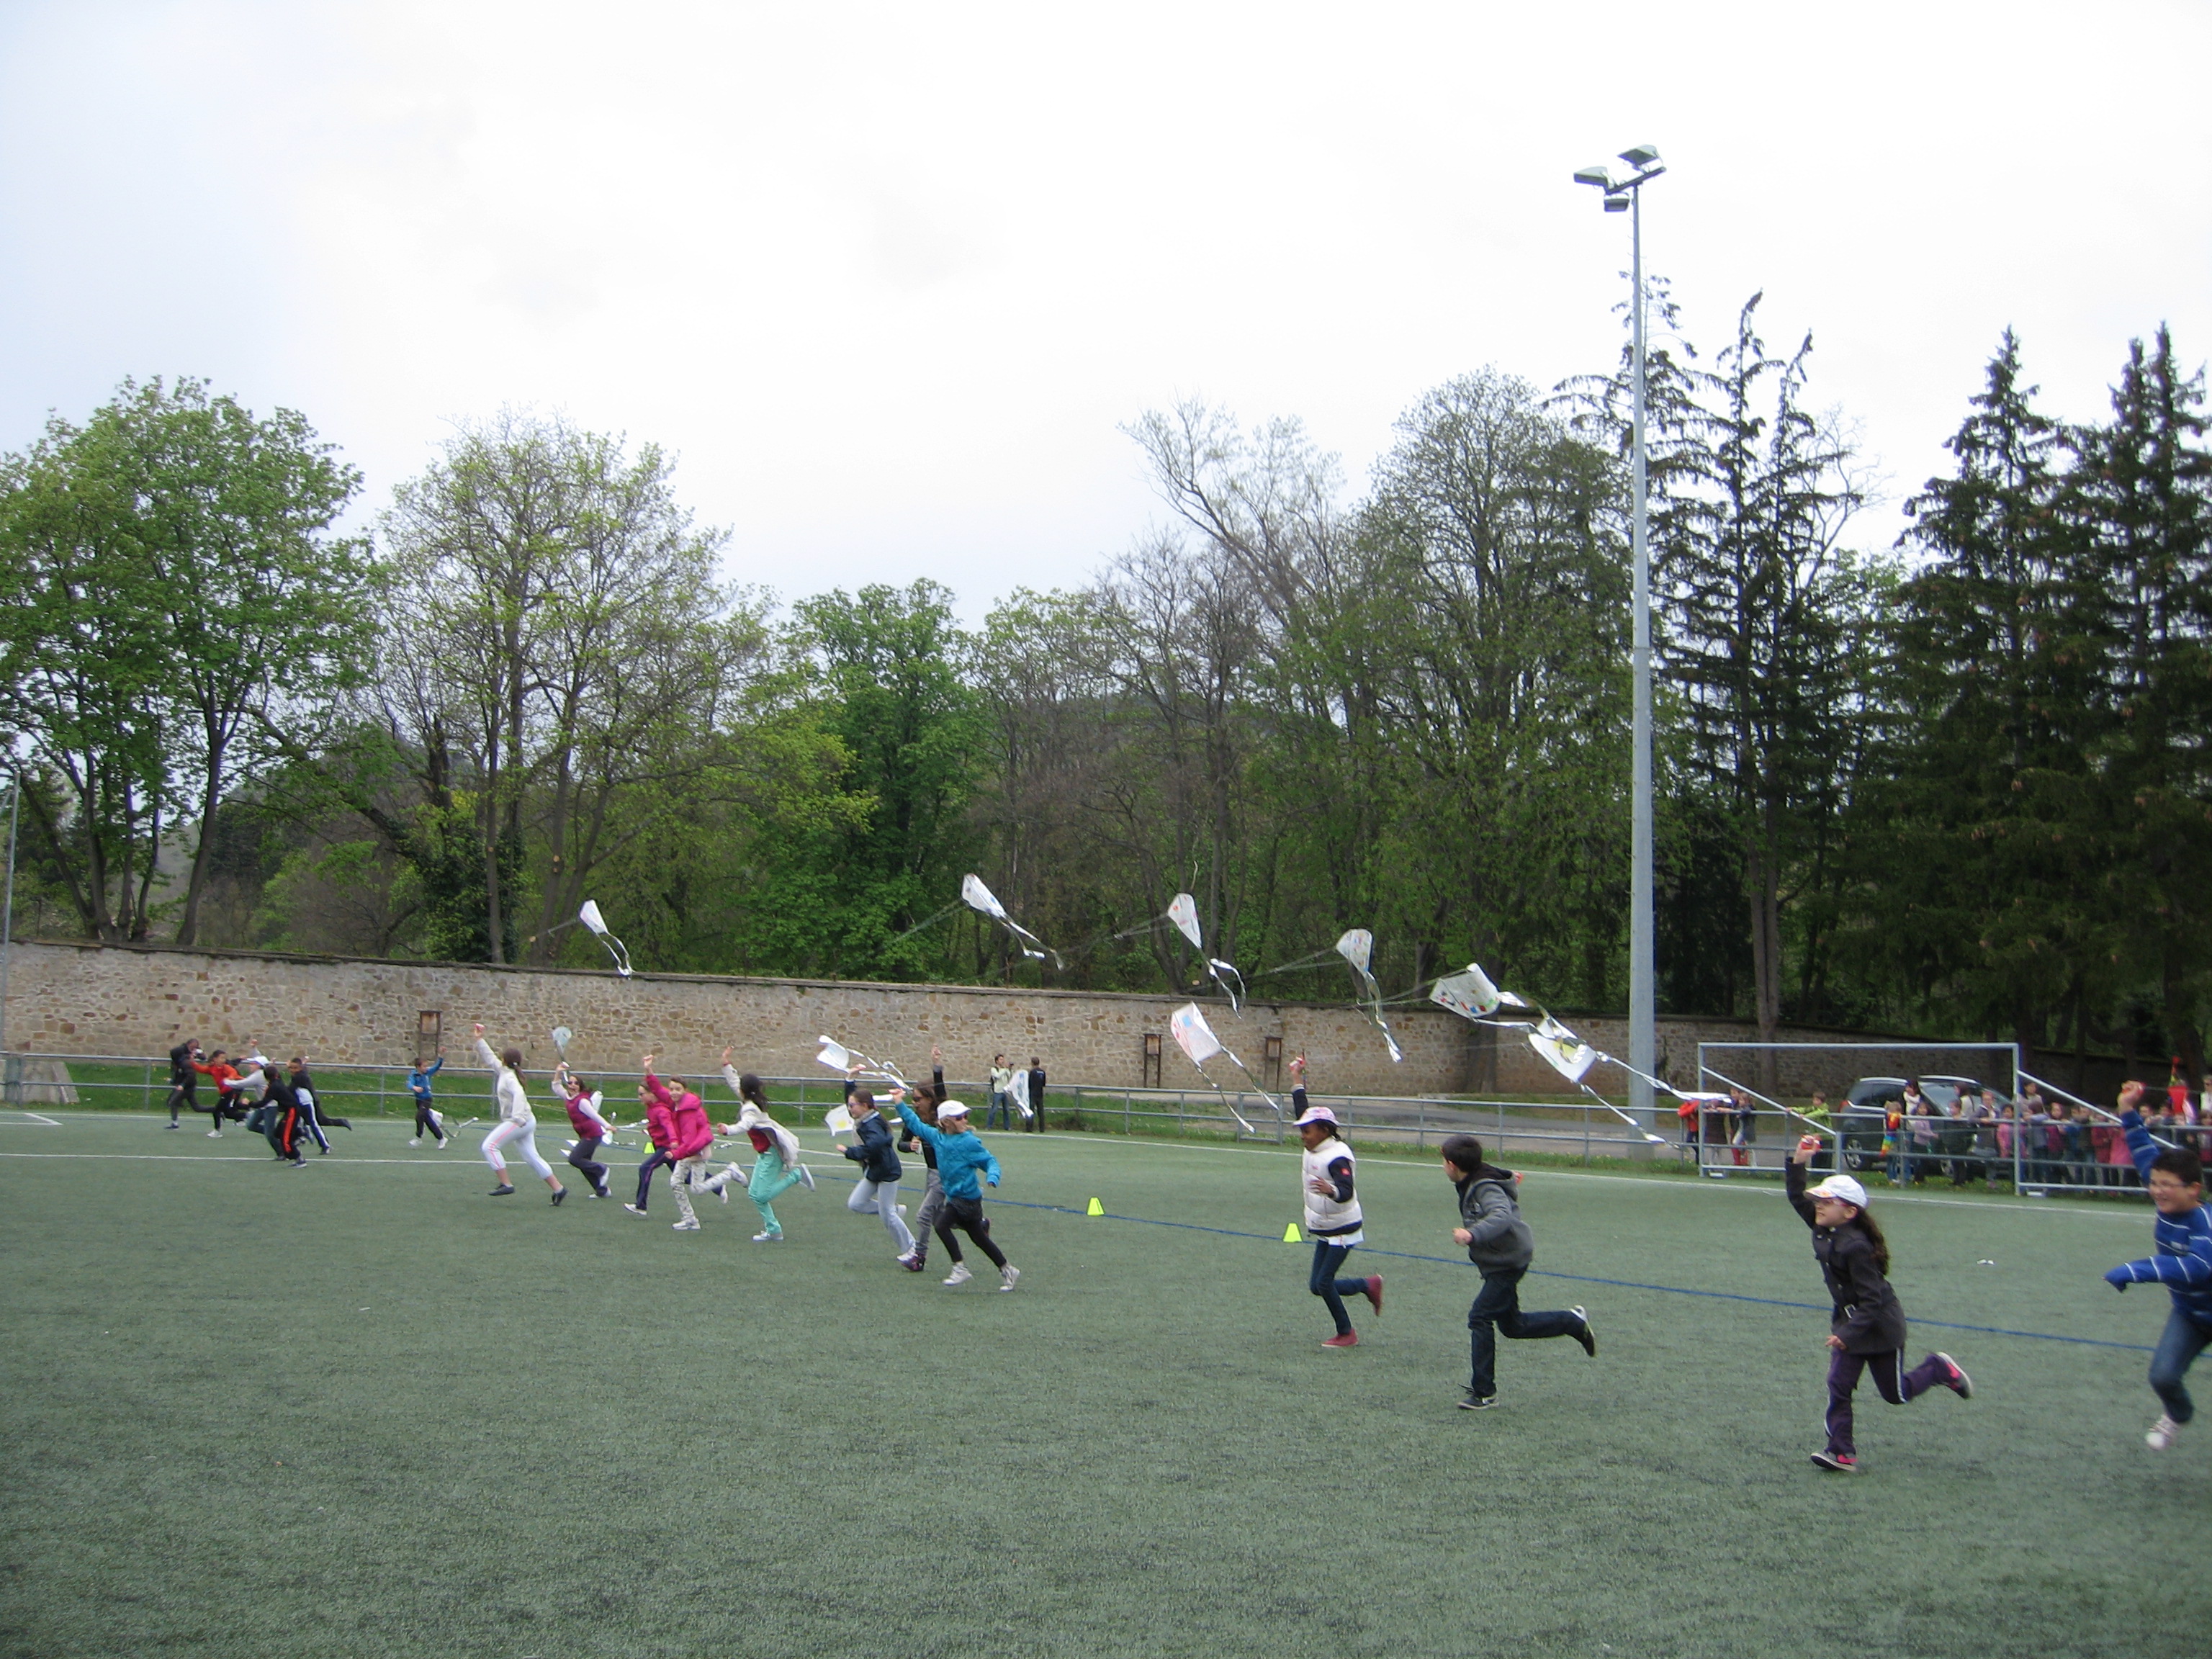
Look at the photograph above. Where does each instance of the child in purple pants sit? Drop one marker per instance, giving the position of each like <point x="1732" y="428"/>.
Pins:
<point x="1868" y="1330"/>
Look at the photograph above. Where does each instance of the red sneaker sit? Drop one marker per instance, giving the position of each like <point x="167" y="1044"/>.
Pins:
<point x="1349" y="1340"/>
<point x="1375" y="1290"/>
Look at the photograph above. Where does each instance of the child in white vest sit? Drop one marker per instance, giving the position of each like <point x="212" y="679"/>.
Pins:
<point x="1333" y="1221"/>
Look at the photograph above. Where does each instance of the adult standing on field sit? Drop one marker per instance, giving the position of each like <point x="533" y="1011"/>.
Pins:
<point x="1037" y="1094"/>
<point x="1001" y="1113"/>
<point x="517" y="1124"/>
<point x="1498" y="1241"/>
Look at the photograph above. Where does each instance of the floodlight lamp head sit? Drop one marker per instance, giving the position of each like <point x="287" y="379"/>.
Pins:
<point x="1616" y="204"/>
<point x="1642" y="156"/>
<point x="1594" y="175"/>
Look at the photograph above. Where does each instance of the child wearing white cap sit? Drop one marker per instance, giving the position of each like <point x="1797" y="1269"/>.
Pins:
<point x="1334" y="1219"/>
<point x="1867" y="1332"/>
<point x="961" y="1156"/>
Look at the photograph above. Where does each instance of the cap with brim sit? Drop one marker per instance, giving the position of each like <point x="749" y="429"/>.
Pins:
<point x="1315" y="1114"/>
<point x="950" y="1109"/>
<point x="1839" y="1186"/>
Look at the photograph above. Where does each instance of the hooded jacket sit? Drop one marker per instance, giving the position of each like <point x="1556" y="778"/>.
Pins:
<point x="1499" y="1240"/>
<point x="1867" y="1314"/>
<point x="877" y="1159"/>
<point x="688" y="1119"/>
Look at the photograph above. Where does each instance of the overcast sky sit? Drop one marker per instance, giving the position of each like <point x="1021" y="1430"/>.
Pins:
<point x="891" y="278"/>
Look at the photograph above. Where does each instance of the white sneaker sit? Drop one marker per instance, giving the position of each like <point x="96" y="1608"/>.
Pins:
<point x="1009" y="1276"/>
<point x="214" y="1134"/>
<point x="807" y="1177"/>
<point x="901" y="1209"/>
<point x="959" y="1275"/>
<point x="690" y="1226"/>
<point x="632" y="1209"/>
<point x="767" y="1238"/>
<point x="2161" y="1433"/>
<point x="417" y="1141"/>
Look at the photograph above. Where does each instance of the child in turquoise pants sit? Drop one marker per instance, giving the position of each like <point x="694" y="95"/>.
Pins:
<point x="776" y="1168"/>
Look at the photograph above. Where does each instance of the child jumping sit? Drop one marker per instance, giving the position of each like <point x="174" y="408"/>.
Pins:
<point x="427" y="1120"/>
<point x="517" y="1124"/>
<point x="776" y="1168"/>
<point x="1867" y="1331"/>
<point x="880" y="1170"/>
<point x="1334" y="1219"/>
<point x="1503" y="1249"/>
<point x="960" y="1154"/>
<point x="2182" y="1232"/>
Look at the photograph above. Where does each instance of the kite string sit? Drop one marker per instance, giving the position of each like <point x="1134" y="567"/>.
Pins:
<point x="930" y="922"/>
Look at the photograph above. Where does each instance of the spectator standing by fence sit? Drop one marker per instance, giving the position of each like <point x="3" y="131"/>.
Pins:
<point x="1000" y="1114"/>
<point x="1037" y="1094"/>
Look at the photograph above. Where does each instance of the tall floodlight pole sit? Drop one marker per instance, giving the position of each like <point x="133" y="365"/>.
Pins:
<point x="8" y="907"/>
<point x="1626" y="196"/>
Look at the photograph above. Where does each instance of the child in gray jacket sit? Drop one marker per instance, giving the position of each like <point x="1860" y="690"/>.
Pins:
<point x="1499" y="1244"/>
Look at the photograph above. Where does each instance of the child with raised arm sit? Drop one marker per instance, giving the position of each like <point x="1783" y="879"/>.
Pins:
<point x="776" y="1168"/>
<point x="924" y="1097"/>
<point x="692" y="1132"/>
<point x="880" y="1170"/>
<point x="960" y="1156"/>
<point x="1334" y="1219"/>
<point x="426" y="1120"/>
<point x="660" y="1132"/>
<point x="2182" y="1232"/>
<point x="517" y="1124"/>
<point x="592" y="1129"/>
<point x="1502" y="1247"/>
<point x="1866" y="1331"/>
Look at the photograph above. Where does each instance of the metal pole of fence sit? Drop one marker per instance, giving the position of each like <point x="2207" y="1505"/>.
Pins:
<point x="146" y="1097"/>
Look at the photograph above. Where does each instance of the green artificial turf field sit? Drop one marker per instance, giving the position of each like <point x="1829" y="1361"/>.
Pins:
<point x="362" y="1409"/>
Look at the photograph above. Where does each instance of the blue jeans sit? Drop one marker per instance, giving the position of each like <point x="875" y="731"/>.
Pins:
<point x="2185" y="1338"/>
<point x="1497" y="1310"/>
<point x="1001" y="1112"/>
<point x="1324" y="1283"/>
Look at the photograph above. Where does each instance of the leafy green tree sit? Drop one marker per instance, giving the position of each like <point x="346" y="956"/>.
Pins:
<point x="177" y="597"/>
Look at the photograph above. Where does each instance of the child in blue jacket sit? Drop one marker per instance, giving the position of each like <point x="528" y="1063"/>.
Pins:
<point x="880" y="1170"/>
<point x="960" y="1155"/>
<point x="427" y="1120"/>
<point x="2183" y="1232"/>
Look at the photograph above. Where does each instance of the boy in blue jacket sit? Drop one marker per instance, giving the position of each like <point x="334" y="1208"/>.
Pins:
<point x="959" y="1155"/>
<point x="2183" y="1232"/>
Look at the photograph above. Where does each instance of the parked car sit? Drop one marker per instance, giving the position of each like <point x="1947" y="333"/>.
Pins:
<point x="1860" y="1120"/>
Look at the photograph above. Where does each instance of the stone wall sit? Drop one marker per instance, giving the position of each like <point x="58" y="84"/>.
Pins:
<point x="71" y="999"/>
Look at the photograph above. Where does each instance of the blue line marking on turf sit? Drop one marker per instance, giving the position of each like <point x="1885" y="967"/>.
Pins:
<point x="1592" y="1279"/>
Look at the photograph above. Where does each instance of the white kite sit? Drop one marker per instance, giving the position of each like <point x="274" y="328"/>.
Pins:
<point x="1196" y="1039"/>
<point x="1182" y="911"/>
<point x="560" y="1036"/>
<point x="1473" y="996"/>
<point x="1470" y="995"/>
<point x="590" y="916"/>
<point x="838" y="1058"/>
<point x="979" y="897"/>
<point x="1357" y="947"/>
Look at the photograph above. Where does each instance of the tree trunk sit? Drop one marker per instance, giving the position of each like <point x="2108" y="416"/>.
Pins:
<point x="188" y="929"/>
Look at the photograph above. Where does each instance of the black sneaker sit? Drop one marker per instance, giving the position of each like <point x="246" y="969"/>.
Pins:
<point x="1478" y="1403"/>
<point x="1585" y="1336"/>
<point x="559" y="1193"/>
<point x="1835" y="1462"/>
<point x="505" y="1189"/>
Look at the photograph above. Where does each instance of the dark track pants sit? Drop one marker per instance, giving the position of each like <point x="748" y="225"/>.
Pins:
<point x="1891" y="1380"/>
<point x="659" y="1160"/>
<point x="183" y="1094"/>
<point x="580" y="1156"/>
<point x="1496" y="1313"/>
<point x="966" y="1214"/>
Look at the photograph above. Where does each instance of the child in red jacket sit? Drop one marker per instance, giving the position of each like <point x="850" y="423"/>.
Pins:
<point x="660" y="1130"/>
<point x="690" y="1134"/>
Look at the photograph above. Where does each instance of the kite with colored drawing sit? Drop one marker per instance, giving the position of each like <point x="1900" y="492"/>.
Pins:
<point x="1473" y="996"/>
<point x="980" y="898"/>
<point x="1183" y="911"/>
<point x="1196" y="1039"/>
<point x="1357" y="947"/>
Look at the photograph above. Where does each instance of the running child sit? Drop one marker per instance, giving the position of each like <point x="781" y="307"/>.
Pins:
<point x="427" y="1119"/>
<point x="690" y="1135"/>
<point x="593" y="1130"/>
<point x="776" y="1168"/>
<point x="2182" y="1230"/>
<point x="517" y="1124"/>
<point x="924" y="1097"/>
<point x="960" y="1154"/>
<point x="1502" y="1247"/>
<point x="1867" y="1331"/>
<point x="880" y="1170"/>
<point x="1334" y="1219"/>
<point x="660" y="1132"/>
<point x="218" y="1070"/>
